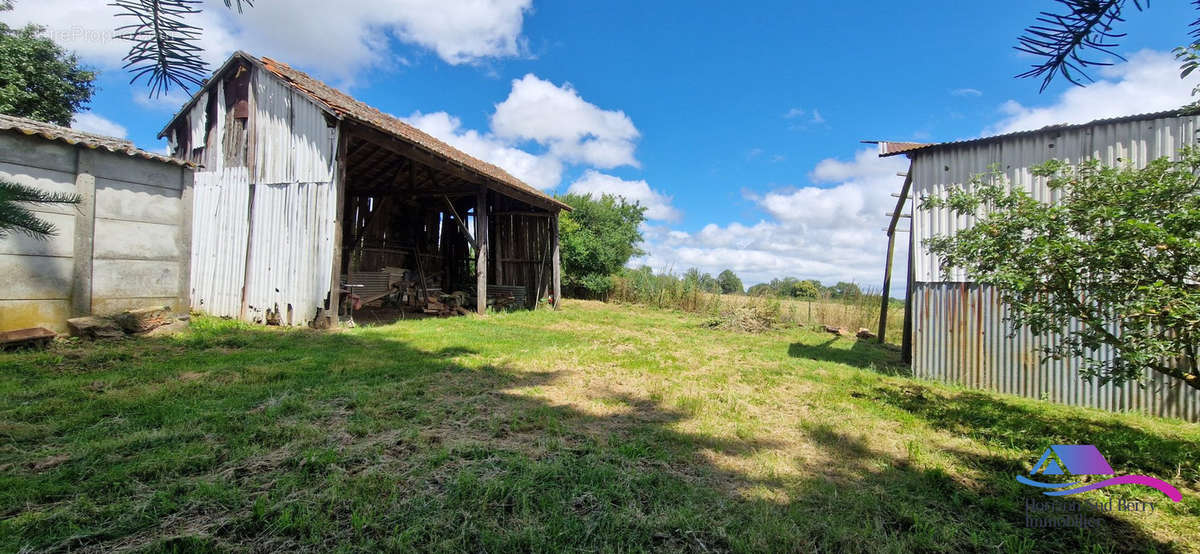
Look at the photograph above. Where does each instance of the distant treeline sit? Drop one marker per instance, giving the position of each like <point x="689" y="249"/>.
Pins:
<point x="791" y="287"/>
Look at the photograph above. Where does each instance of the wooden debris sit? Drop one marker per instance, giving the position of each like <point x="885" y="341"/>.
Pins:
<point x="92" y="327"/>
<point x="144" y="319"/>
<point x="864" y="334"/>
<point x="34" y="337"/>
<point x="839" y="331"/>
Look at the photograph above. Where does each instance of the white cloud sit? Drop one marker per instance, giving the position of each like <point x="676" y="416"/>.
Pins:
<point x="793" y="113"/>
<point x="338" y="39"/>
<point x="572" y="128"/>
<point x="800" y="118"/>
<point x="543" y="172"/>
<point x="832" y="233"/>
<point x="1148" y="82"/>
<point x="91" y="123"/>
<point x="966" y="92"/>
<point x="658" y="205"/>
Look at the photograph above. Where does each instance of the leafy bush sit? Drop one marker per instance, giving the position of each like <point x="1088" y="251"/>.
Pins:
<point x="597" y="239"/>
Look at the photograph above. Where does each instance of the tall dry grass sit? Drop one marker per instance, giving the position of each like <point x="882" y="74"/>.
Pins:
<point x="754" y="313"/>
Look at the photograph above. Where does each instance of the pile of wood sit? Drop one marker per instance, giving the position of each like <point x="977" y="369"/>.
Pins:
<point x="142" y="322"/>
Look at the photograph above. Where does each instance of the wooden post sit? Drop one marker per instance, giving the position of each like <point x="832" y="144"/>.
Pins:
<point x="481" y="253"/>
<point x="335" y="282"/>
<point x="556" y="261"/>
<point x="499" y="248"/>
<point x="887" y="267"/>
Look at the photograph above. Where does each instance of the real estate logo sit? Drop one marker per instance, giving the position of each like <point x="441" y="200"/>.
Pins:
<point x="1084" y="459"/>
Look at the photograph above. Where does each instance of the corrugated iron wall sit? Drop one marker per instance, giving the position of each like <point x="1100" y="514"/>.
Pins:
<point x="220" y="226"/>
<point x="278" y="221"/>
<point x="959" y="336"/>
<point x="959" y="330"/>
<point x="1134" y="142"/>
<point x="291" y="252"/>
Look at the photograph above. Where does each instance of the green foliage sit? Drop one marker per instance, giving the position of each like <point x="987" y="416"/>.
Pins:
<point x="729" y="282"/>
<point x="703" y="282"/>
<point x="15" y="214"/>
<point x="1119" y="253"/>
<point x="38" y="79"/>
<point x="597" y="239"/>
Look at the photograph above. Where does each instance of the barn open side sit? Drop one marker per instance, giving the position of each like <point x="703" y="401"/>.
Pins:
<point x="312" y="206"/>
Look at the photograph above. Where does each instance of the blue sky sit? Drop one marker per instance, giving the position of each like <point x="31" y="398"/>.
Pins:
<point x="739" y="128"/>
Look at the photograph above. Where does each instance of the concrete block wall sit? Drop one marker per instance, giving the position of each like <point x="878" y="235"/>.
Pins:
<point x="127" y="244"/>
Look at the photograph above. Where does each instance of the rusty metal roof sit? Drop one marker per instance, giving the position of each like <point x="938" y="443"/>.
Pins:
<point x="343" y="105"/>
<point x="890" y="148"/>
<point x="74" y="137"/>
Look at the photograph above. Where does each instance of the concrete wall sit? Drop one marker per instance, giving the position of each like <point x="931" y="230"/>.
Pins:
<point x="126" y="245"/>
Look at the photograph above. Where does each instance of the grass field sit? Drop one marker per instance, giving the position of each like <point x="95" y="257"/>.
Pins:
<point x="596" y="428"/>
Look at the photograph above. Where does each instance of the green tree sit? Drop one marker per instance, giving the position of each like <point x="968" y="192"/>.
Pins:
<point x="597" y="239"/>
<point x="845" y="290"/>
<point x="39" y="80"/>
<point x="1119" y="254"/>
<point x="15" y="215"/>
<point x="810" y="288"/>
<point x="729" y="282"/>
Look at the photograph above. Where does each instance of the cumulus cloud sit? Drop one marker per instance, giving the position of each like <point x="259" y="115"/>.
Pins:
<point x="831" y="232"/>
<point x="91" y="123"/>
<point x="543" y="172"/>
<point x="338" y="39"/>
<point x="658" y="205"/>
<point x="572" y="128"/>
<point x="1148" y="82"/>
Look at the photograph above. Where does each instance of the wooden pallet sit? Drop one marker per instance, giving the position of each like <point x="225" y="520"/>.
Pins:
<point x="34" y="337"/>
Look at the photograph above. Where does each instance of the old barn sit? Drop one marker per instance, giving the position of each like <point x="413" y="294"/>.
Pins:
<point x="956" y="330"/>
<point x="310" y="204"/>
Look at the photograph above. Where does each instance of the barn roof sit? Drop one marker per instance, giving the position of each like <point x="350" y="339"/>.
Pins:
<point x="344" y="106"/>
<point x="893" y="148"/>
<point x="75" y="137"/>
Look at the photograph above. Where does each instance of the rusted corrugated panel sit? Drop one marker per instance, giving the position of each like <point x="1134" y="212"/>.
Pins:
<point x="220" y="223"/>
<point x="1118" y="141"/>
<point x="960" y="336"/>
<point x="291" y="251"/>
<point x="293" y="141"/>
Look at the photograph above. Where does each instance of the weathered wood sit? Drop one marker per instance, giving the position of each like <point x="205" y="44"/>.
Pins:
<point x="556" y="261"/>
<point x="335" y="282"/>
<point x="481" y="254"/>
<point x="34" y="336"/>
<point x="906" y="337"/>
<point x="499" y="248"/>
<point x="461" y="225"/>
<point x="887" y="267"/>
<point x="526" y="214"/>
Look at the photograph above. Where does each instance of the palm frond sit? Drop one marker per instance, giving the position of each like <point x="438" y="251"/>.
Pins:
<point x="165" y="49"/>
<point x="1067" y="42"/>
<point x="15" y="213"/>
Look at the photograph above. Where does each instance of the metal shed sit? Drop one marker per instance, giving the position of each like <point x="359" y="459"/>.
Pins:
<point x="124" y="246"/>
<point x="306" y="195"/>
<point x="957" y="329"/>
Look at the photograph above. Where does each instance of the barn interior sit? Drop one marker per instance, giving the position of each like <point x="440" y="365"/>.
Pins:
<point x="413" y="224"/>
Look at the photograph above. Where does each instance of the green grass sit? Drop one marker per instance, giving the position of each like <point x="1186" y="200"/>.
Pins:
<point x="596" y="428"/>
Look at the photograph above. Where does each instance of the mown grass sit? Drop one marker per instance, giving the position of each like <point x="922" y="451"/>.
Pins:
<point x="595" y="428"/>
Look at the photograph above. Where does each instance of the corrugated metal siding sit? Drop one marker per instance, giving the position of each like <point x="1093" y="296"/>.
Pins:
<point x="960" y="336"/>
<point x="198" y="121"/>
<point x="294" y="143"/>
<point x="220" y="225"/>
<point x="1133" y="142"/>
<point x="291" y="251"/>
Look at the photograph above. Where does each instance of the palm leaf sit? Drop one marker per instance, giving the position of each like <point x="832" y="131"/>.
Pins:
<point x="16" y="215"/>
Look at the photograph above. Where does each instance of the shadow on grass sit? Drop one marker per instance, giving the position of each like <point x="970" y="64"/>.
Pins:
<point x="253" y="439"/>
<point x="862" y="353"/>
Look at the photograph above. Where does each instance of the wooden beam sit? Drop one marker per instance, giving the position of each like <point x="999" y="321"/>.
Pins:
<point x="887" y="264"/>
<point x="527" y="214"/>
<point x="335" y="281"/>
<point x="461" y="224"/>
<point x="481" y="254"/>
<point x="395" y="145"/>
<point x="556" y="262"/>
<point x="498" y="247"/>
